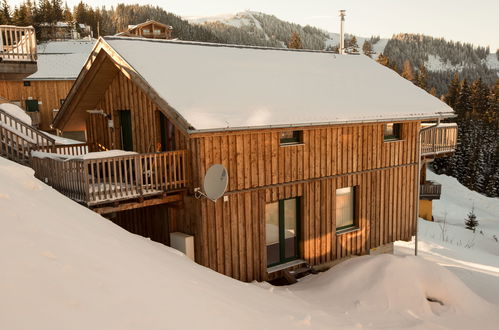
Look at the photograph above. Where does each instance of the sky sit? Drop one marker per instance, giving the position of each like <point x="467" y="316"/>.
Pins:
<point x="476" y="22"/>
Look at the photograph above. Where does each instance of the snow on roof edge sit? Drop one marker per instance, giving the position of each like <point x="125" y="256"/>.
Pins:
<point x="442" y="115"/>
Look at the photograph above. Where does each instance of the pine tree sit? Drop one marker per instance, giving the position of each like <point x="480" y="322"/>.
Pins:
<point x="463" y="105"/>
<point x="5" y="15"/>
<point x="295" y="41"/>
<point x="367" y="48"/>
<point x="383" y="60"/>
<point x="407" y="72"/>
<point x="422" y="77"/>
<point x="453" y="91"/>
<point x="351" y="46"/>
<point x="471" y="222"/>
<point x="480" y="97"/>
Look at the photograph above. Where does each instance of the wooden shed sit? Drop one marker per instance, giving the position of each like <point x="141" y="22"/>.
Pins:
<point x="42" y="93"/>
<point x="149" y="29"/>
<point x="321" y="150"/>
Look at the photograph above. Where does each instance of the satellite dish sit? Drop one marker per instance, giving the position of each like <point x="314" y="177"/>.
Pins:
<point x="215" y="182"/>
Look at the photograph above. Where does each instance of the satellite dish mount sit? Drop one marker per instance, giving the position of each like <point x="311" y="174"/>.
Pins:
<point x="214" y="184"/>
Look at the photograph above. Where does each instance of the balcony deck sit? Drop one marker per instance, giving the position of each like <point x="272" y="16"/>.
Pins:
<point x="18" y="53"/>
<point x="430" y="190"/>
<point x="96" y="181"/>
<point x="439" y="141"/>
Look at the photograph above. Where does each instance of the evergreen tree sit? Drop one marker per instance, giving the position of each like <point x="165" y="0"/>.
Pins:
<point x="351" y="46"/>
<point x="471" y="222"/>
<point x="453" y="91"/>
<point x="479" y="97"/>
<point x="463" y="105"/>
<point x="421" y="78"/>
<point x="367" y="48"/>
<point x="56" y="11"/>
<point x="295" y="41"/>
<point x="5" y="15"/>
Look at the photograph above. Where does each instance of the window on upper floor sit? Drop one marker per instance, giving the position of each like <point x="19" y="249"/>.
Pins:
<point x="291" y="137"/>
<point x="393" y="132"/>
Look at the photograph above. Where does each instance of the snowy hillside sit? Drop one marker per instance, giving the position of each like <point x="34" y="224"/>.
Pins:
<point x="65" y="267"/>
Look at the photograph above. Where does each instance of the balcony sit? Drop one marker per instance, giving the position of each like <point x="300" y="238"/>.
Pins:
<point x="440" y="141"/>
<point x="97" y="179"/>
<point x="430" y="190"/>
<point x="17" y="52"/>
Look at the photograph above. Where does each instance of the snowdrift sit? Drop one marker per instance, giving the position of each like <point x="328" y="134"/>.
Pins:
<point x="65" y="267"/>
<point x="16" y="111"/>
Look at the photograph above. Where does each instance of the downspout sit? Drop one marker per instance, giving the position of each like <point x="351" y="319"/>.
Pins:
<point x="421" y="130"/>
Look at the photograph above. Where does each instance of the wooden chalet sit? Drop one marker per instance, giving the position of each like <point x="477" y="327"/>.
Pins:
<point x="42" y="93"/>
<point x="321" y="150"/>
<point x="150" y="29"/>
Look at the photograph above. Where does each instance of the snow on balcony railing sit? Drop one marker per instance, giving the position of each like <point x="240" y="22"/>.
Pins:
<point x="17" y="43"/>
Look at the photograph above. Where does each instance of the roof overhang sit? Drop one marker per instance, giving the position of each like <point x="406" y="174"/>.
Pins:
<point x="98" y="72"/>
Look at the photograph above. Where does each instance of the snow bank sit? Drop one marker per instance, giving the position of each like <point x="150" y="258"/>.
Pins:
<point x="389" y="290"/>
<point x="16" y="111"/>
<point x="65" y="267"/>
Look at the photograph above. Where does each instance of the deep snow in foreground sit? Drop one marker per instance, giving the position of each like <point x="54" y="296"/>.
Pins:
<point x="65" y="267"/>
<point x="472" y="256"/>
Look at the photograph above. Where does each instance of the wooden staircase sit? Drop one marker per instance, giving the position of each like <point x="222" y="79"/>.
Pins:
<point x="18" y="139"/>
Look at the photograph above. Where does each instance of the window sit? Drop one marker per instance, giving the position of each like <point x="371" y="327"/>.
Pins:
<point x="291" y="137"/>
<point x="282" y="221"/>
<point x="32" y="105"/>
<point x="156" y="31"/>
<point x="345" y="208"/>
<point x="393" y="132"/>
<point x="26" y="83"/>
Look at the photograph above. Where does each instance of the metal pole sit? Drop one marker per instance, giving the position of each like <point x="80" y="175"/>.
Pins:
<point x="342" y="36"/>
<point x="418" y="183"/>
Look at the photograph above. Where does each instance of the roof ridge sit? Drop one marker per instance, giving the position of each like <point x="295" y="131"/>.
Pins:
<point x="212" y="44"/>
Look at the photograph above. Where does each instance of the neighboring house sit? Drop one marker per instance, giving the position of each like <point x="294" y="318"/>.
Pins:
<point x="64" y="31"/>
<point x="17" y="52"/>
<point x="150" y="29"/>
<point x="42" y="93"/>
<point x="321" y="150"/>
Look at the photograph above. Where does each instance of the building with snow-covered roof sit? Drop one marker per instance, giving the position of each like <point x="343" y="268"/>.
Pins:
<point x="42" y="93"/>
<point x="150" y="29"/>
<point x="322" y="150"/>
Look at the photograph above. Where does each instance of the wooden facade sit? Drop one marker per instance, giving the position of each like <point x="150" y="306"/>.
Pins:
<point x="230" y="234"/>
<point x="150" y="29"/>
<point x="49" y="94"/>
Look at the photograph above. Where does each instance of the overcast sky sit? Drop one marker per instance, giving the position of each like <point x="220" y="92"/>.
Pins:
<point x="476" y="22"/>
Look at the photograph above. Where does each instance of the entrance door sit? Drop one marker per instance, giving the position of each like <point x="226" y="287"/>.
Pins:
<point x="282" y="220"/>
<point x="126" y="130"/>
<point x="166" y="131"/>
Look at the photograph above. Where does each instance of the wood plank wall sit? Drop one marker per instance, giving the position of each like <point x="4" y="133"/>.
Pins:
<point x="230" y="236"/>
<point x="50" y="92"/>
<point x="123" y="94"/>
<point x="155" y="222"/>
<point x="255" y="159"/>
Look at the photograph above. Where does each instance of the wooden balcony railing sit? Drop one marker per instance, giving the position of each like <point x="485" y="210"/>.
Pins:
<point x="17" y="43"/>
<point x="104" y="180"/>
<point x="430" y="190"/>
<point x="439" y="140"/>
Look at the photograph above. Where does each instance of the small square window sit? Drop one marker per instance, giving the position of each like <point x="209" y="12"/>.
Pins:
<point x="291" y="137"/>
<point x="27" y="83"/>
<point x="393" y="132"/>
<point x="345" y="208"/>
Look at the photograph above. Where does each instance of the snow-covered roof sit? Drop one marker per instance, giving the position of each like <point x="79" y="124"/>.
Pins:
<point x="61" y="59"/>
<point x="216" y="87"/>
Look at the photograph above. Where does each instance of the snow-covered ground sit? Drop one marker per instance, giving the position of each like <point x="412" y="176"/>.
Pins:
<point x="473" y="257"/>
<point x="64" y="267"/>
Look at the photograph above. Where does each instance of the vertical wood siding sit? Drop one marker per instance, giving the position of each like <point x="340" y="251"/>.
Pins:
<point x="123" y="94"/>
<point x="230" y="236"/>
<point x="49" y="92"/>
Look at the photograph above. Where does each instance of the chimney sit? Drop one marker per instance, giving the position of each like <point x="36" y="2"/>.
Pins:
<point x="342" y="35"/>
